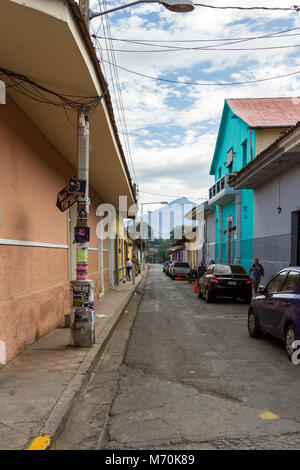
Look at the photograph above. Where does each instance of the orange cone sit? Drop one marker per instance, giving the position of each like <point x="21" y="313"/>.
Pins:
<point x="196" y="287"/>
<point x="179" y="277"/>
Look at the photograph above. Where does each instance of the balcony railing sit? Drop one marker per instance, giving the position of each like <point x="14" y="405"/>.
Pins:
<point x="221" y="191"/>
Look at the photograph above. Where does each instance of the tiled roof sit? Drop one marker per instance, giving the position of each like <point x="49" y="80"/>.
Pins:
<point x="267" y="112"/>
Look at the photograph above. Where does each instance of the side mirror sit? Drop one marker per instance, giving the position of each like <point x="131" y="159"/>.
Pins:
<point x="260" y="289"/>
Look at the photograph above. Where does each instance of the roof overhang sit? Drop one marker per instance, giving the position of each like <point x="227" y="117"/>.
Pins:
<point x="44" y="40"/>
<point x="281" y="155"/>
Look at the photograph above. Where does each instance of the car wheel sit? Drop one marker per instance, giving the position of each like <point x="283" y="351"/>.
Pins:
<point x="290" y="337"/>
<point x="253" y="327"/>
<point x="209" y="297"/>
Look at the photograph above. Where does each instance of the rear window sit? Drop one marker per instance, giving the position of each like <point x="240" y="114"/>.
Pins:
<point x="222" y="269"/>
<point x="181" y="265"/>
<point x="237" y="269"/>
<point x="229" y="269"/>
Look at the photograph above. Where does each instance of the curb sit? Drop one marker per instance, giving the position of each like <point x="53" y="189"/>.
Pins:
<point x="58" y="417"/>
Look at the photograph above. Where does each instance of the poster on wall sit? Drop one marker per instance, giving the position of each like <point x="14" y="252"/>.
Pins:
<point x="82" y="234"/>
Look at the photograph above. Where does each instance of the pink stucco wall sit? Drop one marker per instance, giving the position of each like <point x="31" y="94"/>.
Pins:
<point x="34" y="287"/>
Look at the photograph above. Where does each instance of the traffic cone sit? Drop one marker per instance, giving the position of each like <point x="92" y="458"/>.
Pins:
<point x="196" y="287"/>
<point x="179" y="277"/>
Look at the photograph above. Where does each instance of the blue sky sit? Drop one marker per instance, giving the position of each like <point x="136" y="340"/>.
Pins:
<point x="172" y="128"/>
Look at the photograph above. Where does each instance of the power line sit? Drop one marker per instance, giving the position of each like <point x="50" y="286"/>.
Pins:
<point x="292" y="8"/>
<point x="206" y="49"/>
<point x="177" y="82"/>
<point x="147" y="42"/>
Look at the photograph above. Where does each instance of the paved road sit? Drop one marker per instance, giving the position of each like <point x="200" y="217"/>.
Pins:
<point x="192" y="378"/>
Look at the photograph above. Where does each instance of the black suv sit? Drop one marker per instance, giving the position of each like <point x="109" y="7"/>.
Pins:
<point x="225" y="280"/>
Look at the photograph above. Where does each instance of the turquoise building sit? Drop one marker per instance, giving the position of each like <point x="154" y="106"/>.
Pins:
<point x="246" y="129"/>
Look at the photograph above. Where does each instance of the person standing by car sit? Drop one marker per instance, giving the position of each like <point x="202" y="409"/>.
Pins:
<point x="128" y="267"/>
<point x="256" y="272"/>
<point x="201" y="269"/>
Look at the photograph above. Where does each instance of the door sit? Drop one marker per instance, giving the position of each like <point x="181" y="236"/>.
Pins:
<point x="287" y="302"/>
<point x="270" y="303"/>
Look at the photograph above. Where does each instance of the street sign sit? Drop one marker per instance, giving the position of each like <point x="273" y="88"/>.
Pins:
<point x="67" y="196"/>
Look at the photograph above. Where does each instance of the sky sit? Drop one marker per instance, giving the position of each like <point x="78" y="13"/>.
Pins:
<point x="172" y="128"/>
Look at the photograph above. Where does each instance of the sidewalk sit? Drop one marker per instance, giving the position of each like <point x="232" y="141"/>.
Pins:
<point x="39" y="387"/>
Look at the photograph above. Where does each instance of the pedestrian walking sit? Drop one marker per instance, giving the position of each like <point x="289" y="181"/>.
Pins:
<point x="128" y="268"/>
<point x="256" y="272"/>
<point x="201" y="269"/>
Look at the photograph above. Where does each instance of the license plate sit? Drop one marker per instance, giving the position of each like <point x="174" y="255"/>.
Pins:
<point x="232" y="283"/>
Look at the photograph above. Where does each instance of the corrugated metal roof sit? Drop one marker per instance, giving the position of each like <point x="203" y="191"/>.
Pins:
<point x="267" y="112"/>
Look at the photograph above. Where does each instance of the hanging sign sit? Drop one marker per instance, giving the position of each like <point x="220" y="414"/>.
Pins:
<point x="67" y="196"/>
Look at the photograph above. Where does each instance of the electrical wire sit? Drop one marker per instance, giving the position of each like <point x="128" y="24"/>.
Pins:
<point x="177" y="82"/>
<point x="29" y="88"/>
<point x="207" y="49"/>
<point x="275" y="35"/>
<point x="292" y="8"/>
<point x="114" y="80"/>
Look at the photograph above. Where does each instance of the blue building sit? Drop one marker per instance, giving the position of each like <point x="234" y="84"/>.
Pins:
<point x="247" y="127"/>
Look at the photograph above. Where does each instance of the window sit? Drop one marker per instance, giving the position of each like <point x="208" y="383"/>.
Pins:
<point x="275" y="284"/>
<point x="244" y="145"/>
<point x="237" y="269"/>
<point x="222" y="269"/>
<point x="291" y="282"/>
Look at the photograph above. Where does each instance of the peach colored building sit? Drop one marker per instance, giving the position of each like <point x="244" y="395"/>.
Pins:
<point x="38" y="153"/>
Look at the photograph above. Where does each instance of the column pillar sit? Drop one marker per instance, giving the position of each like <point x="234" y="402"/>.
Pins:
<point x="238" y="228"/>
<point x="220" y="254"/>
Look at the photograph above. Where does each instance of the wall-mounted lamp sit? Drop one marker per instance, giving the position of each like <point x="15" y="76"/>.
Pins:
<point x="279" y="209"/>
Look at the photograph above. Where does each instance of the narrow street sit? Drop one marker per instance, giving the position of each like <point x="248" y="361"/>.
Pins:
<point x="191" y="378"/>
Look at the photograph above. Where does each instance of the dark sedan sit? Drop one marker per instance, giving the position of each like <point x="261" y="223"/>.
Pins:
<point x="225" y="280"/>
<point x="276" y="308"/>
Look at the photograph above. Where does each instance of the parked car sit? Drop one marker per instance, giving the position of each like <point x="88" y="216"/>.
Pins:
<point x="225" y="280"/>
<point x="180" y="267"/>
<point x="275" y="309"/>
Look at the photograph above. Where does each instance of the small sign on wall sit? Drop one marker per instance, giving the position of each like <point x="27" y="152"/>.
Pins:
<point x="2" y="92"/>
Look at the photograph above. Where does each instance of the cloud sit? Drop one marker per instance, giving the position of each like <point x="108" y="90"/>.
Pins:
<point x="172" y="128"/>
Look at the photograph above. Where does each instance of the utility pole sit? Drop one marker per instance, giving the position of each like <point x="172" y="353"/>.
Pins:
<point x="85" y="7"/>
<point x="82" y="322"/>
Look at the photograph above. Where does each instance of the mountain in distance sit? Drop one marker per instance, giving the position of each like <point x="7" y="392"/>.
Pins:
<point x="169" y="216"/>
